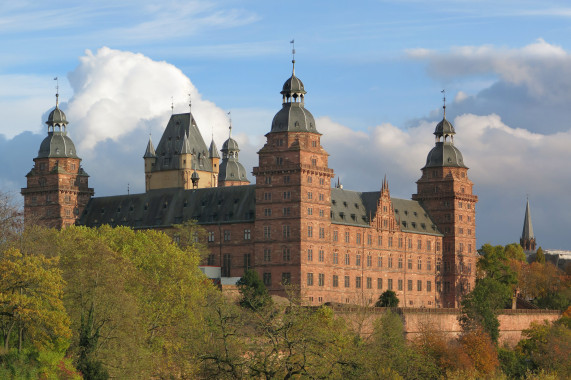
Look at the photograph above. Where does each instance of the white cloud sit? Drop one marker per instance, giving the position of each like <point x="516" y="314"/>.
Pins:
<point x="117" y="92"/>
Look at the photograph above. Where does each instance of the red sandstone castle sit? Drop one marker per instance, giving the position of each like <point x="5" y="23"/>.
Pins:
<point x="291" y="226"/>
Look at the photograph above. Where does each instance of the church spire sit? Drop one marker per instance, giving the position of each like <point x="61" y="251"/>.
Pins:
<point x="527" y="240"/>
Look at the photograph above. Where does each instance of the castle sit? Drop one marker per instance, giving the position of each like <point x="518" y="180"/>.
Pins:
<point x="292" y="226"/>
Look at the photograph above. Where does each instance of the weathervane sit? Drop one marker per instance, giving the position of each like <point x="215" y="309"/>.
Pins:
<point x="57" y="91"/>
<point x="189" y="102"/>
<point x="230" y="127"/>
<point x="292" y="42"/>
<point x="444" y="100"/>
<point x="172" y="105"/>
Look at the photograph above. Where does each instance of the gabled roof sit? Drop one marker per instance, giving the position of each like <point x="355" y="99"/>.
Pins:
<point x="172" y="144"/>
<point x="355" y="208"/>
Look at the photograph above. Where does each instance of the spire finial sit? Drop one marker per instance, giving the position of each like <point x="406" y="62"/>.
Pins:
<point x="444" y="101"/>
<point x="128" y="188"/>
<point x="292" y="42"/>
<point x="189" y="102"/>
<point x="230" y="126"/>
<point x="172" y="105"/>
<point x="57" y="91"/>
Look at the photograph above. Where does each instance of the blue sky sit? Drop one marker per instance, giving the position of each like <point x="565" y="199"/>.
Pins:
<point x="373" y="71"/>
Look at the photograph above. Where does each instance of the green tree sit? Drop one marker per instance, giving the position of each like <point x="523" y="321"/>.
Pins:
<point x="387" y="299"/>
<point x="254" y="293"/>
<point x="31" y="307"/>
<point x="540" y="256"/>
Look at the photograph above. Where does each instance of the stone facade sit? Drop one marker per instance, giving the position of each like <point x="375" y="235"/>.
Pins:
<point x="294" y="228"/>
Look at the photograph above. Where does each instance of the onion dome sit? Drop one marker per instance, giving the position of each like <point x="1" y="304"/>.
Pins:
<point x="57" y="144"/>
<point x="293" y="117"/>
<point x="444" y="154"/>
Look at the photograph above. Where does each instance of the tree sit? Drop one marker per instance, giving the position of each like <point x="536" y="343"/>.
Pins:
<point x="481" y="351"/>
<point x="540" y="256"/>
<point x="31" y="307"/>
<point x="387" y="299"/>
<point x="254" y="293"/>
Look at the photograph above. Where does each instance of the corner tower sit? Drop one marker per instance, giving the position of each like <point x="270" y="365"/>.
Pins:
<point x="445" y="191"/>
<point x="293" y="193"/>
<point x="57" y="188"/>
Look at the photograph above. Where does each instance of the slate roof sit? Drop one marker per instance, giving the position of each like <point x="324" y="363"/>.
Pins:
<point x="527" y="226"/>
<point x="293" y="117"/>
<point x="355" y="208"/>
<point x="165" y="207"/>
<point x="57" y="144"/>
<point x="172" y="144"/>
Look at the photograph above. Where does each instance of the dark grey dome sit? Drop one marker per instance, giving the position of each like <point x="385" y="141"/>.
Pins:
<point x="444" y="154"/>
<point x="232" y="170"/>
<point x="293" y="85"/>
<point x="56" y="117"/>
<point x="195" y="175"/>
<point x="293" y="117"/>
<point x="230" y="145"/>
<point x="444" y="128"/>
<point x="57" y="144"/>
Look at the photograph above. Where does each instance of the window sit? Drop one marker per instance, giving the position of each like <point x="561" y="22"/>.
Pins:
<point x="247" y="234"/>
<point x="400" y="263"/>
<point x="309" y="195"/>
<point x="438" y="265"/>
<point x="309" y="180"/>
<point x="267" y="254"/>
<point x="369" y="261"/>
<point x="390" y="241"/>
<point x="419" y="285"/>
<point x="321" y="213"/>
<point x="347" y="259"/>
<point x="460" y="230"/>
<point x="347" y="284"/>
<point x="309" y="211"/>
<point x="369" y="283"/>
<point x="347" y="237"/>
<point x="409" y="285"/>
<point x="380" y="261"/>
<point x="286" y="179"/>
<point x="322" y="181"/>
<point x="437" y="246"/>
<point x="379" y="283"/>
<point x="279" y="161"/>
<point x="419" y="244"/>
<point x="267" y="196"/>
<point x="321" y="197"/>
<point x="286" y="211"/>
<point x="226" y="264"/>
<point x="335" y="235"/>
<point x="321" y="279"/>
<point x="400" y="242"/>
<point x="409" y="243"/>
<point x="419" y="264"/>
<point x="429" y="264"/>
<point x="267" y="212"/>
<point x="226" y="235"/>
<point x="335" y="257"/>
<point x="267" y="232"/>
<point x="438" y="286"/>
<point x="321" y="257"/>
<point x="268" y="279"/>
<point x="211" y="259"/>
<point x="358" y="282"/>
<point x="309" y="231"/>
<point x="428" y="286"/>
<point x="247" y="264"/>
<point x="390" y="284"/>
<point x="210" y="237"/>
<point x="287" y="194"/>
<point x="335" y="281"/>
<point x="369" y="240"/>
<point x="285" y="232"/>
<point x="428" y="245"/>
<point x="380" y="241"/>
<point x="310" y="254"/>
<point x="469" y="231"/>
<point x="358" y="260"/>
<point x="286" y="254"/>
<point x="390" y="261"/>
<point x="314" y="162"/>
<point x="409" y="264"/>
<point x="268" y="180"/>
<point x="399" y="284"/>
<point x="321" y="233"/>
<point x="310" y="279"/>
<point x="286" y="278"/>
<point x="67" y="212"/>
<point x="461" y="247"/>
<point x="358" y="239"/>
